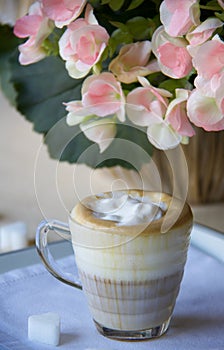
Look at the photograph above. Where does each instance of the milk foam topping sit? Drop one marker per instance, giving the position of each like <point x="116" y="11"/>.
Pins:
<point x="126" y="209"/>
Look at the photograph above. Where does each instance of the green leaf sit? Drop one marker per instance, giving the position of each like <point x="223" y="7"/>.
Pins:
<point x="116" y="5"/>
<point x="134" y="4"/>
<point x="39" y="90"/>
<point x="119" y="38"/>
<point x="105" y="15"/>
<point x="50" y="44"/>
<point x="8" y="41"/>
<point x="66" y="143"/>
<point x="42" y="88"/>
<point x="5" y="78"/>
<point x="130" y="148"/>
<point x="8" y="44"/>
<point x="141" y="28"/>
<point x="95" y="3"/>
<point x="212" y="5"/>
<point x="172" y="84"/>
<point x="220" y="15"/>
<point x="119" y="25"/>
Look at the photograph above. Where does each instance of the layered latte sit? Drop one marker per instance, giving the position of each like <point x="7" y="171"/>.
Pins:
<point x="130" y="267"/>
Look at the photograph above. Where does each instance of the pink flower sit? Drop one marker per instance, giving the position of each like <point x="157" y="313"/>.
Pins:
<point x="173" y="58"/>
<point x="102" y="99"/>
<point x="176" y="59"/>
<point x="63" y="12"/>
<point x="178" y="16"/>
<point x="176" y="114"/>
<point x="204" y="31"/>
<point x="207" y="111"/>
<point x="37" y="27"/>
<point x="209" y="58"/>
<point x="206" y="103"/>
<point x="102" y="131"/>
<point x="82" y="44"/>
<point x="103" y="95"/>
<point x="133" y="61"/>
<point x="146" y="106"/>
<point x="208" y="87"/>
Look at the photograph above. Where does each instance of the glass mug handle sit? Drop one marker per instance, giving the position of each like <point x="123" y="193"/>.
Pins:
<point x="43" y="250"/>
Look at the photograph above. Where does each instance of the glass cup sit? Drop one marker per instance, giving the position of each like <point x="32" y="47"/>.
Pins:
<point x="130" y="274"/>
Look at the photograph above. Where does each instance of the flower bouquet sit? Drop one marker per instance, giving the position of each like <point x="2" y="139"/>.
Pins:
<point x="93" y="72"/>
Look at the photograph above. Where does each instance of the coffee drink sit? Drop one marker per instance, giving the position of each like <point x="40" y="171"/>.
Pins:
<point x="130" y="268"/>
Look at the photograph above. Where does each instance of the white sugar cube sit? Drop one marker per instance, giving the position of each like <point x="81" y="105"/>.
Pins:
<point x="44" y="328"/>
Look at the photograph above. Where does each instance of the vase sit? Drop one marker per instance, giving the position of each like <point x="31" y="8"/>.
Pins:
<point x="205" y="158"/>
<point x="205" y="162"/>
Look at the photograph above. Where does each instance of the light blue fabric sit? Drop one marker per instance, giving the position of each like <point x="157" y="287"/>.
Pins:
<point x="198" y="320"/>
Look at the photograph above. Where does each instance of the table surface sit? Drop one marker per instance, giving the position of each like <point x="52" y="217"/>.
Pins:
<point x="197" y="322"/>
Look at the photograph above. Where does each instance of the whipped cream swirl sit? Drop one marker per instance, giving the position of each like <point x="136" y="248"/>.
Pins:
<point x="126" y="209"/>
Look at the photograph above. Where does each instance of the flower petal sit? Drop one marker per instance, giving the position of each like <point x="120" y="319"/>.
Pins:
<point x="178" y="16"/>
<point x="100" y="131"/>
<point x="74" y="72"/>
<point x="203" y="32"/>
<point x="162" y="136"/>
<point x="76" y="112"/>
<point x="63" y="12"/>
<point x="202" y="110"/>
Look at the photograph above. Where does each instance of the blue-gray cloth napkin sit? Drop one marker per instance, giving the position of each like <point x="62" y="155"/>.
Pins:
<point x="197" y="323"/>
